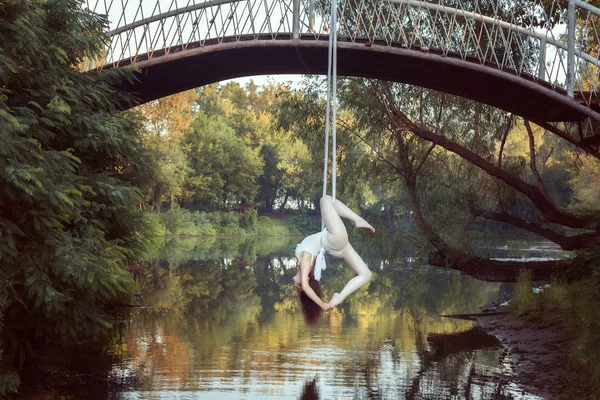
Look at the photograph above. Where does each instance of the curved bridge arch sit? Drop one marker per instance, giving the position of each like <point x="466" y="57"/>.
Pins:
<point x="515" y="65"/>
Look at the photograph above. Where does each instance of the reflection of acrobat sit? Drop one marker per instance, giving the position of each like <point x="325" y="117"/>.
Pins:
<point x="310" y="259"/>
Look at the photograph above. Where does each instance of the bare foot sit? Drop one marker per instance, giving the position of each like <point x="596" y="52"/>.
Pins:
<point x="335" y="300"/>
<point x="362" y="224"/>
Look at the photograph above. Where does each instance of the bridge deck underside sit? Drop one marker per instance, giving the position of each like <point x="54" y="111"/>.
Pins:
<point x="166" y="74"/>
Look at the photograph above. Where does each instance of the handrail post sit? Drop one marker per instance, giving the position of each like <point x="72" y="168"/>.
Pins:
<point x="542" y="63"/>
<point x="311" y="15"/>
<point x="296" y="19"/>
<point x="571" y="48"/>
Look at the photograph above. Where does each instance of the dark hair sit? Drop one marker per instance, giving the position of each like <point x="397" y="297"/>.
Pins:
<point x="311" y="310"/>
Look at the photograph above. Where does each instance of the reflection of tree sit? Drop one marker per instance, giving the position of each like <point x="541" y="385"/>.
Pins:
<point x="212" y="321"/>
<point x="178" y="250"/>
<point x="450" y="358"/>
<point x="210" y="289"/>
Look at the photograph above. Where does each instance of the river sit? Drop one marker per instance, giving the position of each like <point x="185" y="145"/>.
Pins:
<point x="219" y="320"/>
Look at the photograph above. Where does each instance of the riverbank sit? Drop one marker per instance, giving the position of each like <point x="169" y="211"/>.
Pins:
<point x="538" y="352"/>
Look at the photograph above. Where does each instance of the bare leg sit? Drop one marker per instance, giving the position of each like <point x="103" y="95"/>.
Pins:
<point x="343" y="211"/>
<point x="336" y="231"/>
<point x="351" y="257"/>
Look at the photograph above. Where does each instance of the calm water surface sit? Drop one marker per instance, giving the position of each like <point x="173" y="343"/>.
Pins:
<point x="222" y="322"/>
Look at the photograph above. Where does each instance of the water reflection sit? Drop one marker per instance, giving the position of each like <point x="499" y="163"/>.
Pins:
<point x="310" y="391"/>
<point x="223" y="322"/>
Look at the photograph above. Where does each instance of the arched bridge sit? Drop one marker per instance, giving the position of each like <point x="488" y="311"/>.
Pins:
<point x="536" y="58"/>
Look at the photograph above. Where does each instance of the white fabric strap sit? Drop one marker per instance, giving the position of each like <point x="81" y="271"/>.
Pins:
<point x="320" y="264"/>
<point x="331" y="103"/>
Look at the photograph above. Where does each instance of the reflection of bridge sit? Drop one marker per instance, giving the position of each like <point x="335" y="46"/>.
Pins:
<point x="535" y="58"/>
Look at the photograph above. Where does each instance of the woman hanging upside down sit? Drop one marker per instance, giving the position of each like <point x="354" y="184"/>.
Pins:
<point x="310" y="259"/>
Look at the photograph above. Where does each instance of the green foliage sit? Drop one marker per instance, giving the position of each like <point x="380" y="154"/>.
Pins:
<point x="9" y="381"/>
<point x="182" y="222"/>
<point x="155" y="227"/>
<point x="305" y="224"/>
<point x="248" y="220"/>
<point x="224" y="168"/>
<point x="267" y="227"/>
<point x="69" y="223"/>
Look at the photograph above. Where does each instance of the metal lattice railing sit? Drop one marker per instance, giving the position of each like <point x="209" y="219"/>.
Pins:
<point x="555" y="42"/>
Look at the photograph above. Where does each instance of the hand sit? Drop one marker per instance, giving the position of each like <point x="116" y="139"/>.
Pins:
<point x="326" y="307"/>
<point x="297" y="282"/>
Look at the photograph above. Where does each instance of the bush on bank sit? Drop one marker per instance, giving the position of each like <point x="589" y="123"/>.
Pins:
<point x="183" y="222"/>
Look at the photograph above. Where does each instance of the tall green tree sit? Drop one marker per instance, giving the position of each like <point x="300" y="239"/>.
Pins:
<point x="225" y="170"/>
<point x="249" y="112"/>
<point x="167" y="120"/>
<point x="68" y="163"/>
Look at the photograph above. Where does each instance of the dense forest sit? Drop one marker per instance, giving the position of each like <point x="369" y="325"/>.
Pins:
<point x="85" y="188"/>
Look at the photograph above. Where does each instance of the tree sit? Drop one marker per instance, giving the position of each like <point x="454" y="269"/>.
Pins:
<point x="68" y="220"/>
<point x="249" y="112"/>
<point x="405" y="123"/>
<point x="225" y="170"/>
<point x="168" y="118"/>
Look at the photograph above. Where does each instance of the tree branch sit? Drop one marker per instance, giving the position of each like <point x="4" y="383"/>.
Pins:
<point x="379" y="155"/>
<point x="583" y="144"/>
<point x="548" y="209"/>
<point x="502" y="145"/>
<point x="569" y="243"/>
<point x="532" y="162"/>
<point x="427" y="153"/>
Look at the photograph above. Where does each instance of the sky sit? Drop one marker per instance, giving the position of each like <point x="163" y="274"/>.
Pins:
<point x="262" y="80"/>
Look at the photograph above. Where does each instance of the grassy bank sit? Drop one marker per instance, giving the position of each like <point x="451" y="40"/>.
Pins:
<point x="576" y="307"/>
<point x="182" y="222"/>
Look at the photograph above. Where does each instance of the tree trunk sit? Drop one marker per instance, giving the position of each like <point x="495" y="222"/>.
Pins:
<point x="268" y="204"/>
<point x="157" y="195"/>
<point x="285" y="199"/>
<point x="507" y="271"/>
<point x="432" y="236"/>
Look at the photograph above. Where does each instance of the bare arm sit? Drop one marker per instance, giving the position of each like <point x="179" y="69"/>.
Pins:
<point x="305" y="267"/>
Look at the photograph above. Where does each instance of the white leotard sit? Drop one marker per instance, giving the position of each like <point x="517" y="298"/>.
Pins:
<point x="311" y="243"/>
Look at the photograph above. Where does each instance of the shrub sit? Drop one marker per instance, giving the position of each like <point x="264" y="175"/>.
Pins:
<point x="267" y="227"/>
<point x="156" y="227"/>
<point x="229" y="219"/>
<point x="172" y="220"/>
<point x="304" y="225"/>
<point x="182" y="222"/>
<point x="248" y="220"/>
<point x="524" y="300"/>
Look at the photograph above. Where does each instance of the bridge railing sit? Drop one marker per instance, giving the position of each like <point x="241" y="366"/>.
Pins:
<point x="550" y="41"/>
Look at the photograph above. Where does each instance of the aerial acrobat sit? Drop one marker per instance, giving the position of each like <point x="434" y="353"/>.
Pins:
<point x="310" y="259"/>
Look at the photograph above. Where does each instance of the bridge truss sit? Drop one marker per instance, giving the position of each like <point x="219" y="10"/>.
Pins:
<point x="553" y="43"/>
